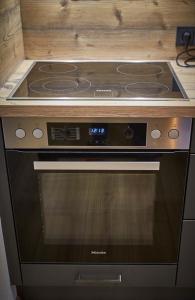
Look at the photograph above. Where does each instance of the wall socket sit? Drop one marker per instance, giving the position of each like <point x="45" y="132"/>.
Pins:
<point x="180" y="40"/>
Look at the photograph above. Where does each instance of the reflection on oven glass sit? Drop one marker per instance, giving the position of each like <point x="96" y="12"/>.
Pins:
<point x="97" y="209"/>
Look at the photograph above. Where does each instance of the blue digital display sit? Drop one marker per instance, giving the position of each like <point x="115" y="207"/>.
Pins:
<point x="97" y="131"/>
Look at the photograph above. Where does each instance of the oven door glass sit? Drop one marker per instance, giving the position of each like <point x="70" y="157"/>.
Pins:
<point x="97" y="208"/>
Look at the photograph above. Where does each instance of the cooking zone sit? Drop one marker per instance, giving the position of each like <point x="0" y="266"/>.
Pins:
<point x="97" y="202"/>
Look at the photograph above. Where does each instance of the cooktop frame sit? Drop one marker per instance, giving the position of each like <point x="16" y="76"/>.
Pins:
<point x="99" y="99"/>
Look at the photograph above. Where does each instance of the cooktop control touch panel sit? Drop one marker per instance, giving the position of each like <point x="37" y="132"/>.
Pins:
<point x="60" y="133"/>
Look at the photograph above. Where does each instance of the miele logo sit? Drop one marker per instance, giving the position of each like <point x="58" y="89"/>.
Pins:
<point x="98" y="252"/>
<point x="108" y="91"/>
<point x="103" y="93"/>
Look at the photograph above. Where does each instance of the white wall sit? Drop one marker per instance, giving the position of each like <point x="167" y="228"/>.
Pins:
<point x="6" y="291"/>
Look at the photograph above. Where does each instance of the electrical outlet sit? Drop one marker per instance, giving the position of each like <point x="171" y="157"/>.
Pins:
<point x="180" y="40"/>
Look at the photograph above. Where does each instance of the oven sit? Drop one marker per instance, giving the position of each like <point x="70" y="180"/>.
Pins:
<point x="97" y="207"/>
<point x="97" y="193"/>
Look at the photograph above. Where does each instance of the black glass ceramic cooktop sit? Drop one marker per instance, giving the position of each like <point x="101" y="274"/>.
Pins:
<point x="55" y="80"/>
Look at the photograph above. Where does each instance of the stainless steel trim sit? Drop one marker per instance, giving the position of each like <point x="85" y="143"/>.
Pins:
<point x="178" y="82"/>
<point x="95" y="99"/>
<point x="10" y="126"/>
<point x="100" y="60"/>
<point x="80" y="280"/>
<point x="95" y="166"/>
<point x="10" y="97"/>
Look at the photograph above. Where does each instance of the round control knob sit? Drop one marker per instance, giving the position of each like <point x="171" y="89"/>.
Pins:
<point x="37" y="133"/>
<point x="20" y="133"/>
<point x="129" y="133"/>
<point x="155" y="134"/>
<point x="173" y="134"/>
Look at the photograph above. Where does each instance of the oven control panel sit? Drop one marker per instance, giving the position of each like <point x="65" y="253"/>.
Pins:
<point x="96" y="134"/>
<point x="41" y="133"/>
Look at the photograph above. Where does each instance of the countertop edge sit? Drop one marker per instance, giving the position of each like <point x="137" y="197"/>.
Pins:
<point x="96" y="111"/>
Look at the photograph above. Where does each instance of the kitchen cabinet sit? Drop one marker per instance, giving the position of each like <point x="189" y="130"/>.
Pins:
<point x="192" y="150"/>
<point x="189" y="213"/>
<point x="6" y="291"/>
<point x="7" y="220"/>
<point x="190" y="192"/>
<point x="186" y="267"/>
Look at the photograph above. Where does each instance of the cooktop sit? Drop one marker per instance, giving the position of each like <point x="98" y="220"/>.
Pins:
<point x="99" y="80"/>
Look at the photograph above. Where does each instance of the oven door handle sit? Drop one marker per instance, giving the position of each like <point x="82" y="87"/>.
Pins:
<point x="96" y="166"/>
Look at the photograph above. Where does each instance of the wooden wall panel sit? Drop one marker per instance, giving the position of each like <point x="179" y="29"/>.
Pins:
<point x="106" y="14"/>
<point x="84" y="44"/>
<point x="11" y="41"/>
<point x="134" y="29"/>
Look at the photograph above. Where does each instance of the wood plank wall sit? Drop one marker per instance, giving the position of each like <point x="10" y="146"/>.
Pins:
<point x="11" y="41"/>
<point x="103" y="29"/>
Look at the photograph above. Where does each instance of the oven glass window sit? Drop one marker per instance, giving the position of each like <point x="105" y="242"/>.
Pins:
<point x="97" y="208"/>
<point x="104" y="216"/>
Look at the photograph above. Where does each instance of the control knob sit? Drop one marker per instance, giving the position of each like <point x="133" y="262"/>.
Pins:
<point x="129" y="133"/>
<point x="37" y="133"/>
<point x="155" y="134"/>
<point x="173" y="134"/>
<point x="20" y="133"/>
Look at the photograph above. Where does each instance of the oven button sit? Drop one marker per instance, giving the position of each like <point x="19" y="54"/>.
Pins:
<point x="20" y="133"/>
<point x="100" y="142"/>
<point x="173" y="134"/>
<point x="37" y="133"/>
<point x="155" y="134"/>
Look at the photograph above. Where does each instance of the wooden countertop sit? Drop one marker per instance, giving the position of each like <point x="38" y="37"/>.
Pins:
<point x="99" y="109"/>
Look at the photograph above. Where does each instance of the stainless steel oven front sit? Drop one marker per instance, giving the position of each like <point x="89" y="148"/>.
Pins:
<point x="95" y="192"/>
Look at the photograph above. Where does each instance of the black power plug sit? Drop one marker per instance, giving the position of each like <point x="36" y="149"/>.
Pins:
<point x="185" y="35"/>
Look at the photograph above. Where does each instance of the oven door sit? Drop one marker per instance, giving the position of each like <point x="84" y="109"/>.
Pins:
<point x="97" y="207"/>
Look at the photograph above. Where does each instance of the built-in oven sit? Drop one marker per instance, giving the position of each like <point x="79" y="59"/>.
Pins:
<point x="97" y="193"/>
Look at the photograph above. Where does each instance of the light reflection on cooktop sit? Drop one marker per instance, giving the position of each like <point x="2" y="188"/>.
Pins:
<point x="100" y="80"/>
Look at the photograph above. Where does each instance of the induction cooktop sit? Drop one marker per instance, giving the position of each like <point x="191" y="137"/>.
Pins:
<point x="87" y="80"/>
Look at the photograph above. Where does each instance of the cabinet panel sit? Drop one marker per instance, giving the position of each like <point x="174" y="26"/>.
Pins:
<point x="98" y="275"/>
<point x="190" y="193"/>
<point x="186" y="267"/>
<point x="7" y="220"/>
<point x="193" y="137"/>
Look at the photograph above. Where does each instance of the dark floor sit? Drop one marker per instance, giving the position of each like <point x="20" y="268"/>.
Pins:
<point x="105" y="293"/>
